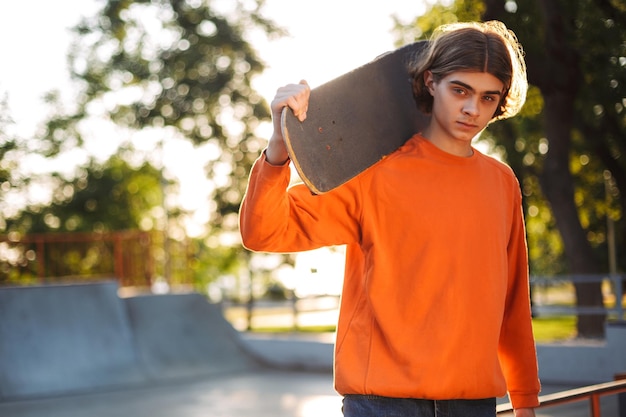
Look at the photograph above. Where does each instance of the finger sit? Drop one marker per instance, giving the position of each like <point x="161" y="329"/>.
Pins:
<point x="296" y="105"/>
<point x="294" y="96"/>
<point x="306" y="93"/>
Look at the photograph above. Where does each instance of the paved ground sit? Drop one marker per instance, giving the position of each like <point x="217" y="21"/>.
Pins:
<point x="258" y="394"/>
<point x="268" y="393"/>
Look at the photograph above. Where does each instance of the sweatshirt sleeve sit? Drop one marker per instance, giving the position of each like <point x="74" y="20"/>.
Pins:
<point x="517" y="351"/>
<point x="277" y="218"/>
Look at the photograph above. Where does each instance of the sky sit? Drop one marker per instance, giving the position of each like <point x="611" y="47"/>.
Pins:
<point x="33" y="41"/>
<point x="327" y="38"/>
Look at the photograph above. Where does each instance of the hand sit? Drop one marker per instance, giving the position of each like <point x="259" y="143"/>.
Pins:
<point x="296" y="97"/>
<point x="525" y="412"/>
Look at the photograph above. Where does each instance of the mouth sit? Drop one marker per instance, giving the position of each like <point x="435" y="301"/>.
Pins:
<point x="466" y="125"/>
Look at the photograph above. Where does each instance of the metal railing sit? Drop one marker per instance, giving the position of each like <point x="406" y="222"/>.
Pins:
<point x="539" y="285"/>
<point x="545" y="303"/>
<point x="592" y="393"/>
<point x="291" y="313"/>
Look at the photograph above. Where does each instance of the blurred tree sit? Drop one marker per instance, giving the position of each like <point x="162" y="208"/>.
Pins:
<point x="8" y="145"/>
<point x="583" y="122"/>
<point x="113" y="196"/>
<point x="172" y="69"/>
<point x="182" y="65"/>
<point x="102" y="198"/>
<point x="567" y="146"/>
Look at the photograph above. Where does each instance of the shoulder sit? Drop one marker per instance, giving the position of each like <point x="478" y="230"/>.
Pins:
<point x="501" y="174"/>
<point x="497" y="166"/>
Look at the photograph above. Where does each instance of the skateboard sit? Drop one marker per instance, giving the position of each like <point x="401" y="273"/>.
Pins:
<point x="354" y="121"/>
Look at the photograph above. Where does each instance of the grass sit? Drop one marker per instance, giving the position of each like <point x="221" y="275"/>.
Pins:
<point x="554" y="328"/>
<point x="302" y="329"/>
<point x="546" y="329"/>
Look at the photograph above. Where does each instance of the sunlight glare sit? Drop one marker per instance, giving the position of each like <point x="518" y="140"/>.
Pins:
<point x="320" y="405"/>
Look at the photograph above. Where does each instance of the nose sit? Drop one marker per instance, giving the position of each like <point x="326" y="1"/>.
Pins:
<point x="470" y="107"/>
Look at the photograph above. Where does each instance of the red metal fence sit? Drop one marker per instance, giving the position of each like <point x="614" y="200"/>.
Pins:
<point x="134" y="258"/>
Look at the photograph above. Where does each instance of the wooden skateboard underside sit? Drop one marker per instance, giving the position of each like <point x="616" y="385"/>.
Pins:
<point x="354" y="121"/>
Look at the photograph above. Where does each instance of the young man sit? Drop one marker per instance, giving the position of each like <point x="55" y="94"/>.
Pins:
<point x="435" y="313"/>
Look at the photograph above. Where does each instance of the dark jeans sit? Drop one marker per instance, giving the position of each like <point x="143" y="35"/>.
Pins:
<point x="376" y="406"/>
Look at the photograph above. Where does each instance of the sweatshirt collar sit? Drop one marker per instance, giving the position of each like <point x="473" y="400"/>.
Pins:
<point x="434" y="152"/>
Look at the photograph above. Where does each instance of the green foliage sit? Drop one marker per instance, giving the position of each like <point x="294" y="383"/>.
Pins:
<point x="10" y="149"/>
<point x="423" y="26"/>
<point x="168" y="68"/>
<point x="554" y="329"/>
<point x="594" y="32"/>
<point x="7" y="144"/>
<point x="210" y="262"/>
<point x="101" y="198"/>
<point x="598" y="140"/>
<point x="181" y="65"/>
<point x="545" y="329"/>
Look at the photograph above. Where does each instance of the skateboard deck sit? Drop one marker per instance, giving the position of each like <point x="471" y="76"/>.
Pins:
<point x="354" y="121"/>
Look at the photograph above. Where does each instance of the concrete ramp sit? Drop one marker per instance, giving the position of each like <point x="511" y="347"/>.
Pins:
<point x="182" y="335"/>
<point x="79" y="338"/>
<point x="57" y="339"/>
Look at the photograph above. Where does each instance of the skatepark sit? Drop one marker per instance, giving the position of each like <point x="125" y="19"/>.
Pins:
<point x="82" y="350"/>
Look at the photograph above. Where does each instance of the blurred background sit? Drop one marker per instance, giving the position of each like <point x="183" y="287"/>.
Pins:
<point x="128" y="129"/>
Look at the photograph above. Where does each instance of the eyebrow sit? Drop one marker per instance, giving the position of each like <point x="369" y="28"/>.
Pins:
<point x="470" y="88"/>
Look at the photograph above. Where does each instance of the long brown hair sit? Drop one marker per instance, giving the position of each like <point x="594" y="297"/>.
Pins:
<point x="484" y="47"/>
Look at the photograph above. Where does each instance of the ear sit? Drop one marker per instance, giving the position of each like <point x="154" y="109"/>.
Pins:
<point x="429" y="81"/>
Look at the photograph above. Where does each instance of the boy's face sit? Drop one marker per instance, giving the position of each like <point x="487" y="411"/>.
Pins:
<point x="464" y="102"/>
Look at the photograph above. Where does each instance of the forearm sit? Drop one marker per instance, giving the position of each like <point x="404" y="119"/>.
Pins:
<point x="525" y="412"/>
<point x="276" y="152"/>
<point x="263" y="207"/>
<point x="274" y="219"/>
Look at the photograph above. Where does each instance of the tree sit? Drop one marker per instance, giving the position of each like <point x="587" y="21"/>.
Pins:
<point x="113" y="196"/>
<point x="101" y="198"/>
<point x="177" y="69"/>
<point x="572" y="108"/>
<point x="570" y="134"/>
<point x="183" y="66"/>
<point x="8" y="145"/>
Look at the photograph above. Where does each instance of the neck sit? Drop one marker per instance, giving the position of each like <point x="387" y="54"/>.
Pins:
<point x="451" y="146"/>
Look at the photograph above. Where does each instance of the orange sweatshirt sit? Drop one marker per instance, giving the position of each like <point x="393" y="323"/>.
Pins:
<point x="435" y="301"/>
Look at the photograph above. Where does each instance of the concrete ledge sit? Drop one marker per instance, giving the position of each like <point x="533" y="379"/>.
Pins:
<point x="57" y="339"/>
<point x="573" y="363"/>
<point x="581" y="362"/>
<point x="293" y="352"/>
<point x="182" y="335"/>
<point x="66" y="339"/>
